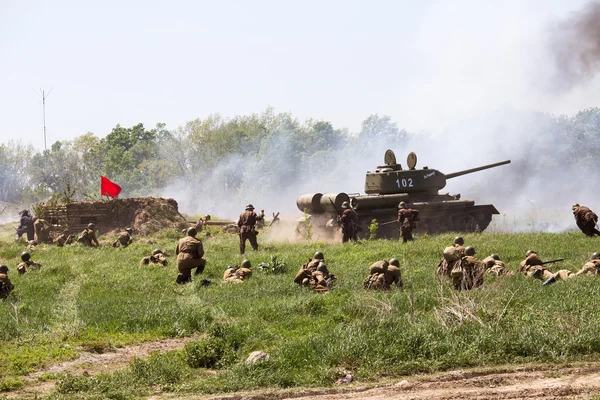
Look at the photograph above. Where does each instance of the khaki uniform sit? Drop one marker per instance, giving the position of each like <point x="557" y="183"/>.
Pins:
<point x="320" y="281"/>
<point x="64" y="239"/>
<point x="349" y="220"/>
<point x="237" y="274"/>
<point x="382" y="276"/>
<point x="25" y="266"/>
<point x="531" y="264"/>
<point x="452" y="257"/>
<point x="494" y="266"/>
<point x="88" y="238"/>
<point x="42" y="230"/>
<point x="406" y="219"/>
<point x="5" y="286"/>
<point x="247" y="223"/>
<point x="591" y="267"/>
<point x="586" y="220"/>
<point x="123" y="240"/>
<point x="155" y="259"/>
<point x="468" y="274"/>
<point x="189" y="256"/>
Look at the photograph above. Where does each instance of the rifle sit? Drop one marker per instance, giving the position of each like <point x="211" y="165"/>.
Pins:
<point x="275" y="219"/>
<point x="339" y="213"/>
<point x="3" y="210"/>
<point x="389" y="222"/>
<point x="553" y="261"/>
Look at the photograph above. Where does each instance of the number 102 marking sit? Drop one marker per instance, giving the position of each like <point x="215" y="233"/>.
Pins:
<point x="404" y="182"/>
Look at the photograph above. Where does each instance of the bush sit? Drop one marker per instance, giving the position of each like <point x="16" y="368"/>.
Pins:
<point x="208" y="353"/>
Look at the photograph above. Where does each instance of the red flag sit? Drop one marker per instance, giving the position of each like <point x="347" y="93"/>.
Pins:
<point x="108" y="188"/>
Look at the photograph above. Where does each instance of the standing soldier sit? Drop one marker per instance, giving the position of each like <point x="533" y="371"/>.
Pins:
<point x="201" y="222"/>
<point x="88" y="236"/>
<point x="5" y="285"/>
<point x="26" y="226"/>
<point x="349" y="220"/>
<point x="124" y="239"/>
<point x="406" y="219"/>
<point x="586" y="220"/>
<point x="247" y="224"/>
<point x="189" y="256"/>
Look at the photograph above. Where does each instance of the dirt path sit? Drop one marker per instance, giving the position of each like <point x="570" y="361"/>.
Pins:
<point x="531" y="383"/>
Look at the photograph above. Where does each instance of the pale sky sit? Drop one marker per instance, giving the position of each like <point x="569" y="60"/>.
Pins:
<point x="427" y="64"/>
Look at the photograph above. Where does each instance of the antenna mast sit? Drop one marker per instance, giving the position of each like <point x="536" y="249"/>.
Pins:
<point x="44" y="96"/>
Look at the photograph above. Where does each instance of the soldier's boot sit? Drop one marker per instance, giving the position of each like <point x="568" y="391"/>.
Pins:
<point x="549" y="281"/>
<point x="199" y="270"/>
<point x="183" y="279"/>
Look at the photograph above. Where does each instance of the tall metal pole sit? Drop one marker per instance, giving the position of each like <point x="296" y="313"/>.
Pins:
<point x="44" y="112"/>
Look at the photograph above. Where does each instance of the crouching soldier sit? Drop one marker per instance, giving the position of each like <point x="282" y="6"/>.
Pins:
<point x="591" y="267"/>
<point x="452" y="255"/>
<point x="5" y="285"/>
<point x="190" y="254"/>
<point x="468" y="274"/>
<point x="124" y="239"/>
<point x="494" y="265"/>
<point x="533" y="266"/>
<point x="239" y="273"/>
<point x="382" y="274"/>
<point x="315" y="274"/>
<point x="156" y="258"/>
<point x="64" y="238"/>
<point x="88" y="236"/>
<point x="26" y="263"/>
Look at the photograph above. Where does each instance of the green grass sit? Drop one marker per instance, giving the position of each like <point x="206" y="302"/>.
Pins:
<point x="100" y="298"/>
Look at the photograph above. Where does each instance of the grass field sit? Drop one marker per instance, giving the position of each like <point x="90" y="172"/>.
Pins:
<point x="93" y="299"/>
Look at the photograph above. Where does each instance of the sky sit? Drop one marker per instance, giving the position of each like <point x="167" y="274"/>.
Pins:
<point x="427" y="64"/>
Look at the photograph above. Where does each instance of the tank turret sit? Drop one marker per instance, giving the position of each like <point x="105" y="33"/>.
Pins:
<point x="391" y="178"/>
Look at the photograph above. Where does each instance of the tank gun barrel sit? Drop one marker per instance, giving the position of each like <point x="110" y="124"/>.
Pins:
<point x="468" y="171"/>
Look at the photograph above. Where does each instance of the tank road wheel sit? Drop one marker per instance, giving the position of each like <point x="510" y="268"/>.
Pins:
<point x="465" y="223"/>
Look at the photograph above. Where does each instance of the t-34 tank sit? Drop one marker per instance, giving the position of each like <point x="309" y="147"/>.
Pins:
<point x="390" y="184"/>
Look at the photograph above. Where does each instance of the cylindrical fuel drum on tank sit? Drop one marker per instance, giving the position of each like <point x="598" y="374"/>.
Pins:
<point x="311" y="202"/>
<point x="335" y="198"/>
<point x="382" y="201"/>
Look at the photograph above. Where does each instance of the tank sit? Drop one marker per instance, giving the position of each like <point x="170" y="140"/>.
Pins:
<point x="388" y="185"/>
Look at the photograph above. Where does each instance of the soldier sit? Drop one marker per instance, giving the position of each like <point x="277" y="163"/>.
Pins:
<point x="64" y="238"/>
<point x="406" y="219"/>
<point x="124" y="239"/>
<point x="239" y="273"/>
<point x="532" y="265"/>
<point x="88" y="236"/>
<point x="201" y="222"/>
<point x="5" y="285"/>
<point x="591" y="267"/>
<point x="315" y="274"/>
<point x="494" y="265"/>
<point x="156" y="258"/>
<point x="26" y="226"/>
<point x="383" y="274"/>
<point x="190" y="254"/>
<point x="586" y="220"/>
<point x="468" y="274"/>
<point x="452" y="254"/>
<point x="349" y="220"/>
<point x="26" y="263"/>
<point x="247" y="224"/>
<point x="41" y="230"/>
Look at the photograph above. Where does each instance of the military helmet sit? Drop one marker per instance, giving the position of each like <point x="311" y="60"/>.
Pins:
<point x="402" y="205"/>
<point x="156" y="251"/>
<point x="246" y="264"/>
<point x="184" y="230"/>
<point x="346" y="204"/>
<point x="574" y="206"/>
<point x="529" y="252"/>
<point x="470" y="251"/>
<point x="595" y="256"/>
<point x="25" y="256"/>
<point x="129" y="230"/>
<point x="207" y="217"/>
<point x="322" y="267"/>
<point x="495" y="257"/>
<point x="249" y="207"/>
<point x="91" y="226"/>
<point x="395" y="262"/>
<point x="319" y="256"/>
<point x="192" y="231"/>
<point x="3" y="269"/>
<point x="459" y="240"/>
